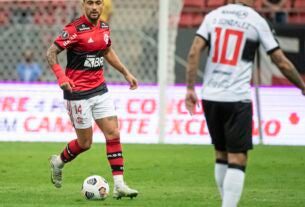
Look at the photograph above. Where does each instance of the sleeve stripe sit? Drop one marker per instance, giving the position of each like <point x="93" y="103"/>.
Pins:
<point x="55" y="43"/>
<point x="272" y="50"/>
<point x="202" y="37"/>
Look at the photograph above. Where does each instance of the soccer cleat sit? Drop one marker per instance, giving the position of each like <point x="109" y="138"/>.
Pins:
<point x="56" y="172"/>
<point x="123" y="190"/>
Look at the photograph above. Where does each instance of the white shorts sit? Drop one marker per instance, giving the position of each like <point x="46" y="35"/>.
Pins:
<point x="81" y="112"/>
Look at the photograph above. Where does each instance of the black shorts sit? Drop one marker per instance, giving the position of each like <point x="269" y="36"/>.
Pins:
<point x="230" y="125"/>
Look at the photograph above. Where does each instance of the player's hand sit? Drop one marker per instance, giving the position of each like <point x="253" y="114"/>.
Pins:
<point x="66" y="84"/>
<point x="133" y="83"/>
<point x="190" y="100"/>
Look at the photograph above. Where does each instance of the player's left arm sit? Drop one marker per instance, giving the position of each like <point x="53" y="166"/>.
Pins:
<point x="199" y="44"/>
<point x="268" y="40"/>
<point x="288" y="69"/>
<point x="114" y="60"/>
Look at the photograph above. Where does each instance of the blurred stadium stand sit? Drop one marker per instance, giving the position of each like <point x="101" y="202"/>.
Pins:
<point x="289" y="21"/>
<point x="194" y="10"/>
<point x="35" y="23"/>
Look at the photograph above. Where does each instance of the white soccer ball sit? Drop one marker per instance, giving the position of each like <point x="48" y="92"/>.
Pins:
<point x="95" y="187"/>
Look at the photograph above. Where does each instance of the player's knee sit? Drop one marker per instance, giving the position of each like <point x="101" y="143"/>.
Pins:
<point x="238" y="158"/>
<point x="221" y="155"/>
<point x="112" y="133"/>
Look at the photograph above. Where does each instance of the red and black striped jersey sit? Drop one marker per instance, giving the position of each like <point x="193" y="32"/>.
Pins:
<point x="85" y="44"/>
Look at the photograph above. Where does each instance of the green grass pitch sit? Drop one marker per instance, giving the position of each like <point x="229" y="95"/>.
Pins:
<point x="165" y="175"/>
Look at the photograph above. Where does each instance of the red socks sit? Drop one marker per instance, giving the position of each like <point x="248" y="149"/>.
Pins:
<point x="114" y="154"/>
<point x="71" y="151"/>
<point x="115" y="157"/>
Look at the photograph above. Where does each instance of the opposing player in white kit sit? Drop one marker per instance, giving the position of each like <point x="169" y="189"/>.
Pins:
<point x="87" y="41"/>
<point x="232" y="33"/>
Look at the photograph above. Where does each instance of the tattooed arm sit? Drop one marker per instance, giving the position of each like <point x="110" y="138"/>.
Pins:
<point x="64" y="82"/>
<point x="191" y="72"/>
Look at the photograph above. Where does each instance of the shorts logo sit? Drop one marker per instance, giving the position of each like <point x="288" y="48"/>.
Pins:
<point x="94" y="62"/>
<point x="64" y="35"/>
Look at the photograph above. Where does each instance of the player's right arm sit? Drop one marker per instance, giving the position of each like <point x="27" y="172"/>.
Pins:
<point x="287" y="69"/>
<point x="193" y="60"/>
<point x="67" y="39"/>
<point x="200" y="42"/>
<point x="64" y="82"/>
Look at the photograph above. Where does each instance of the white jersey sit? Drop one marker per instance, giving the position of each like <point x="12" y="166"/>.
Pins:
<point x="233" y="33"/>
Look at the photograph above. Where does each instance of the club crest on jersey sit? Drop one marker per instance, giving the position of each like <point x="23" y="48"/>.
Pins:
<point x="106" y="38"/>
<point x="64" y="35"/>
<point x="94" y="62"/>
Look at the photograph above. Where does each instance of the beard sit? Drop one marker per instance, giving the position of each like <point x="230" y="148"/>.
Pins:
<point x="93" y="16"/>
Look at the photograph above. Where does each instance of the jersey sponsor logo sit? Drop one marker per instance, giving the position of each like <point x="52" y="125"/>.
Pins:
<point x="104" y="25"/>
<point x="83" y="27"/>
<point x="94" y="62"/>
<point x="239" y="14"/>
<point x="69" y="40"/>
<point x="106" y="38"/>
<point x="64" y="35"/>
<point x="216" y="83"/>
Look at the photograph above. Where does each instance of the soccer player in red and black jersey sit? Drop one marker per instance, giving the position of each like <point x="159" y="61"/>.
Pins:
<point x="87" y="41"/>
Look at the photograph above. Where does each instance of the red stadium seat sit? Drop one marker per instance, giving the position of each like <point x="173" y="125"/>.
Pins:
<point x="297" y="15"/>
<point x="258" y="4"/>
<point x="197" y="19"/>
<point x="215" y="3"/>
<point x="194" y="3"/>
<point x="3" y="19"/>
<point x="298" y="4"/>
<point x="185" y="19"/>
<point x="190" y="19"/>
<point x="297" y="18"/>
